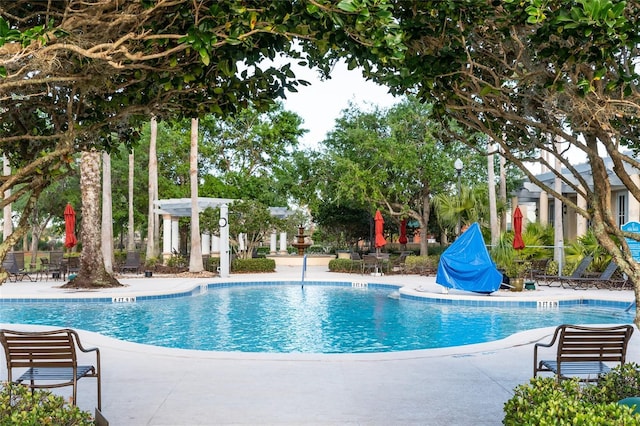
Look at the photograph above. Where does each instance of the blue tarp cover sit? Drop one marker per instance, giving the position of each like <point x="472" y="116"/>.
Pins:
<point x="466" y="264"/>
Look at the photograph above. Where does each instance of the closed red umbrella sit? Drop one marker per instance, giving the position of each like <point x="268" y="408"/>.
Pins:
<point x="403" y="232"/>
<point x="379" y="221"/>
<point x="518" y="244"/>
<point x="70" y="239"/>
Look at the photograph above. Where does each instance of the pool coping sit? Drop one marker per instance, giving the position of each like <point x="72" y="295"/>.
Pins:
<point x="420" y="293"/>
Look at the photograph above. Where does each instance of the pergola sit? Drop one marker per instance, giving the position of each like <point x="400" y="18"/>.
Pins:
<point x="172" y="209"/>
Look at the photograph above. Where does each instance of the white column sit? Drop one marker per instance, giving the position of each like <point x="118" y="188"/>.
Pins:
<point x="175" y="234"/>
<point x="241" y="242"/>
<point x="224" y="241"/>
<point x="273" y="246"/>
<point x="166" y="236"/>
<point x="215" y="245"/>
<point x="581" y="221"/>
<point x="558" y="229"/>
<point x="205" y="243"/>
<point x="543" y="208"/>
<point x="634" y="205"/>
<point x="283" y="243"/>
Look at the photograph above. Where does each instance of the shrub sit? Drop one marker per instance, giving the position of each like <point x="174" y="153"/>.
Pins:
<point x="316" y="249"/>
<point x="19" y="407"/>
<point x="421" y="264"/>
<point x="212" y="264"/>
<point x="545" y="401"/>
<point x="253" y="265"/>
<point x="340" y="265"/>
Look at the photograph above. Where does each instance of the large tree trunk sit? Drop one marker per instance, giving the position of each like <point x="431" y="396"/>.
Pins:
<point x="153" y="222"/>
<point x="195" y="260"/>
<point x="92" y="271"/>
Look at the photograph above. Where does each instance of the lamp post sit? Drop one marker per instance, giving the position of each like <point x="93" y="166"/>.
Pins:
<point x="458" y="165"/>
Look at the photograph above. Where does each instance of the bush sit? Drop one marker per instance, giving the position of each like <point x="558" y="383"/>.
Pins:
<point x="340" y="265"/>
<point x="421" y="264"/>
<point x="253" y="265"/>
<point x="19" y="407"/>
<point x="316" y="249"/>
<point x="545" y="401"/>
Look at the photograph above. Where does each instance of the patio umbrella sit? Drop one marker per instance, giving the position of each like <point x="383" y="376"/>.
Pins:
<point x="69" y="226"/>
<point x="379" y="221"/>
<point x="403" y="232"/>
<point x="518" y="244"/>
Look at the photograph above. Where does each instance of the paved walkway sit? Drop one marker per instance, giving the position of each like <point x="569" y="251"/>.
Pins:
<point x="147" y="385"/>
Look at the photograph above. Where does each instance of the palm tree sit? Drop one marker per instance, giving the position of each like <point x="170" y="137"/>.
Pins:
<point x="195" y="261"/>
<point x="92" y="270"/>
<point x="153" y="222"/>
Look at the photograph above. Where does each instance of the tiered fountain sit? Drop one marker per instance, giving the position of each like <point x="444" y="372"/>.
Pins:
<point x="300" y="244"/>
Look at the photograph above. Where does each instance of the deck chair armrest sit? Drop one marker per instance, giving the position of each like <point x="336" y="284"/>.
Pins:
<point x="543" y="345"/>
<point x="86" y="350"/>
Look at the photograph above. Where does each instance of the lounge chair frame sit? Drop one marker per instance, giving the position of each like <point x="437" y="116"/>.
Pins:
<point x="583" y="352"/>
<point x="565" y="280"/>
<point x="49" y="356"/>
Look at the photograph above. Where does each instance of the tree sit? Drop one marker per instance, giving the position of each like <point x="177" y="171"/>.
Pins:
<point x="251" y="152"/>
<point x="74" y="74"/>
<point x="394" y="160"/>
<point x="195" y="260"/>
<point x="92" y="269"/>
<point x="153" y="224"/>
<point x="107" y="214"/>
<point x="528" y="74"/>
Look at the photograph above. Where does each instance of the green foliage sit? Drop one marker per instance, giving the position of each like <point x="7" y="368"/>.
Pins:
<point x="316" y="249"/>
<point x="341" y="265"/>
<point x="19" y="407"/>
<point x="535" y="237"/>
<point x="621" y="382"/>
<point x="253" y="265"/>
<point x="420" y="264"/>
<point x="587" y="245"/>
<point x="341" y="225"/>
<point x="544" y="401"/>
<point x="212" y="264"/>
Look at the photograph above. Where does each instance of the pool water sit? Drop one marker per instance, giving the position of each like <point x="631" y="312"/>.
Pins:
<point x="292" y="319"/>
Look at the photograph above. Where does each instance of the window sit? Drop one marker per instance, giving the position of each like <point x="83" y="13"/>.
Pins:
<point x="622" y="209"/>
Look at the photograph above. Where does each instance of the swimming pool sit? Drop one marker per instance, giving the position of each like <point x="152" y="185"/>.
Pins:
<point x="310" y="319"/>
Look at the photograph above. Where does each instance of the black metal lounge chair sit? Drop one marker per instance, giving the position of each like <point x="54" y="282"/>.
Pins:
<point x="604" y="280"/>
<point x="131" y="263"/>
<point x="564" y="280"/>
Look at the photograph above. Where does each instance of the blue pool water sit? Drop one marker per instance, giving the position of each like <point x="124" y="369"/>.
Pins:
<point x="290" y="319"/>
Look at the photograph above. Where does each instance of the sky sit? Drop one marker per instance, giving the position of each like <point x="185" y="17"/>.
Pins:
<point x="321" y="103"/>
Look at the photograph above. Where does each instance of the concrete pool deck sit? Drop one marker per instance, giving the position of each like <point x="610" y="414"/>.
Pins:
<point x="148" y="385"/>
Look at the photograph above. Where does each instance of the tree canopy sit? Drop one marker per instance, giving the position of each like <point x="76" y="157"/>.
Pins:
<point x="79" y="75"/>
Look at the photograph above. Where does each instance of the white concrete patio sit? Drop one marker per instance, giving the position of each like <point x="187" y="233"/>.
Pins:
<point x="147" y="385"/>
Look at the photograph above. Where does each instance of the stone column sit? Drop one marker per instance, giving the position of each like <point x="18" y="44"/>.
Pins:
<point x="166" y="236"/>
<point x="205" y="243"/>
<point x="273" y="246"/>
<point x="581" y="221"/>
<point x="283" y="243"/>
<point x="224" y="241"/>
<point x="543" y="208"/>
<point x="634" y="205"/>
<point x="175" y="235"/>
<point x="215" y="245"/>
